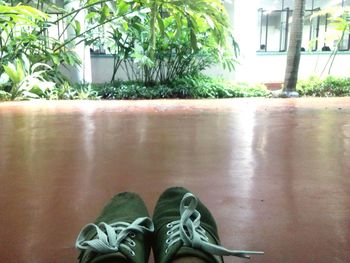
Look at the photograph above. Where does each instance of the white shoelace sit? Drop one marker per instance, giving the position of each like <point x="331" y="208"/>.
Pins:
<point x="189" y="231"/>
<point x="110" y="238"/>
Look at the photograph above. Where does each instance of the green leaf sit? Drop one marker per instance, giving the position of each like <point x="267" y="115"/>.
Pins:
<point x="26" y="62"/>
<point x="77" y="27"/>
<point x="20" y="71"/>
<point x="122" y="8"/>
<point x="37" y="65"/>
<point x="91" y="15"/>
<point x="10" y="70"/>
<point x="160" y="24"/>
<point x="104" y="13"/>
<point x="91" y="2"/>
<point x="194" y="40"/>
<point x="209" y="21"/>
<point x="31" y="11"/>
<point x="55" y="59"/>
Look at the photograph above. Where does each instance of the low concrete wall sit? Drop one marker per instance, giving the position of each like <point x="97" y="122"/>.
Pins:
<point x="271" y="67"/>
<point x="263" y="68"/>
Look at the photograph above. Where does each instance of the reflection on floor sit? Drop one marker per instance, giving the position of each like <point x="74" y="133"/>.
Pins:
<point x="275" y="173"/>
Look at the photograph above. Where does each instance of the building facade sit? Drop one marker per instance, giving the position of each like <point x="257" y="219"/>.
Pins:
<point x="263" y="35"/>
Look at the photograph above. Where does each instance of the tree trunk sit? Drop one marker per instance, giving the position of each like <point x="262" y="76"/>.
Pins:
<point x="293" y="55"/>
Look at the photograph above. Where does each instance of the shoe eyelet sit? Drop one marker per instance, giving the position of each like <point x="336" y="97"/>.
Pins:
<point x="166" y="251"/>
<point x="132" y="234"/>
<point x="132" y="243"/>
<point x="169" y="232"/>
<point x="132" y="253"/>
<point x="170" y="225"/>
<point x="168" y="241"/>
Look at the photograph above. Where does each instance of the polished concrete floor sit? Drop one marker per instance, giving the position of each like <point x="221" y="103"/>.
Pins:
<point x="275" y="173"/>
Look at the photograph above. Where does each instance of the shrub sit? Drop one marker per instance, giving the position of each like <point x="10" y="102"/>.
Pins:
<point x="201" y="86"/>
<point x="329" y="87"/>
<point x="4" y="95"/>
<point x="334" y="86"/>
<point x="134" y="90"/>
<point x="24" y="81"/>
<point x="198" y="87"/>
<point x="162" y="40"/>
<point x="76" y="92"/>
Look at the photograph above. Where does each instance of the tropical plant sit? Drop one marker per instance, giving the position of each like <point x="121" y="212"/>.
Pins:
<point x="201" y="86"/>
<point x="329" y="87"/>
<point x="197" y="86"/>
<point x="25" y="81"/>
<point x="163" y="40"/>
<point x="76" y="92"/>
<point x="23" y="31"/>
<point x="339" y="22"/>
<point x="14" y="24"/>
<point x="191" y="22"/>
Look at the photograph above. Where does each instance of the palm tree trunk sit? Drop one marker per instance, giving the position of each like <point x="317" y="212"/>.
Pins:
<point x="293" y="55"/>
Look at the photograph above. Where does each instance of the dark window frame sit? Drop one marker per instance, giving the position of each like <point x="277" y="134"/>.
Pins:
<point x="264" y="44"/>
<point x="314" y="30"/>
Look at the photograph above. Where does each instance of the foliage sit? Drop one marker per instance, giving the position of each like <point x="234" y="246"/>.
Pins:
<point x="76" y="92"/>
<point x="24" y="81"/>
<point x="329" y="87"/>
<point x="339" y="17"/>
<point x="198" y="86"/>
<point x="24" y="31"/>
<point x="163" y="40"/>
<point x="151" y="40"/>
<point x="4" y="95"/>
<point x="201" y="86"/>
<point x="134" y="90"/>
<point x="339" y="21"/>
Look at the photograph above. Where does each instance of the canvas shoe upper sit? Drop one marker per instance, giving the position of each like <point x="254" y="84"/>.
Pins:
<point x="122" y="231"/>
<point x="185" y="227"/>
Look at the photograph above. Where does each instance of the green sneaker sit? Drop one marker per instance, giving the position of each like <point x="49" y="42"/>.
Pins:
<point x="122" y="233"/>
<point x="184" y="227"/>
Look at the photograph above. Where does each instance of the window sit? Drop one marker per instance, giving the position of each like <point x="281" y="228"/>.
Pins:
<point x="311" y="30"/>
<point x="344" y="45"/>
<point x="275" y="18"/>
<point x="274" y="26"/>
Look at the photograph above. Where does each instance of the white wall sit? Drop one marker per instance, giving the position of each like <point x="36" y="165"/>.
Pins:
<point x="271" y="68"/>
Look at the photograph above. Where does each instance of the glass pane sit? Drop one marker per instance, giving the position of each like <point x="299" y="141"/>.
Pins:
<point x="273" y="35"/>
<point x="262" y="30"/>
<point x="310" y="39"/>
<point x="326" y="3"/>
<point x="270" y="4"/>
<point x="344" y="45"/>
<point x="314" y="33"/>
<point x="324" y="43"/>
<point x="306" y="31"/>
<point x="308" y="5"/>
<point x="288" y="4"/>
<point x="284" y="30"/>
